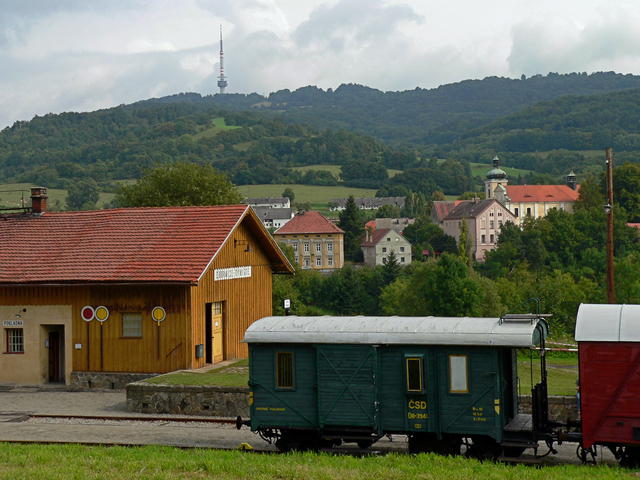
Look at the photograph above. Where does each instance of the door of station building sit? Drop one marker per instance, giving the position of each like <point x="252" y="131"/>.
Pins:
<point x="55" y="342"/>
<point x="214" y="333"/>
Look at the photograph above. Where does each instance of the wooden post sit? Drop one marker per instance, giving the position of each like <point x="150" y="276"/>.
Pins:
<point x="611" y="291"/>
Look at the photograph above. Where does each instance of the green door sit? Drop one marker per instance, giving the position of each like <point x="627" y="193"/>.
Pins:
<point x="418" y="389"/>
<point x="469" y="397"/>
<point x="347" y="394"/>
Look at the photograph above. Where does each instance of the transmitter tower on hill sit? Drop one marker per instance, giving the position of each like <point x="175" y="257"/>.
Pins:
<point x="222" y="80"/>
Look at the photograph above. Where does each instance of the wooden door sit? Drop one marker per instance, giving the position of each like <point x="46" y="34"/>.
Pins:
<point x="54" y="357"/>
<point x="217" y="332"/>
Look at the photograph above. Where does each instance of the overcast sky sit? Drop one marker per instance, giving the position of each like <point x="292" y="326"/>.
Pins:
<point x="81" y="55"/>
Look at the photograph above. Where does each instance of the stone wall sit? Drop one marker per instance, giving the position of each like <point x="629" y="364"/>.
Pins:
<point x="106" y="380"/>
<point x="560" y="408"/>
<point x="188" y="400"/>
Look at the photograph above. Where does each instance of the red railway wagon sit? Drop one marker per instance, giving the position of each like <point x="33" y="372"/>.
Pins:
<point x="609" y="350"/>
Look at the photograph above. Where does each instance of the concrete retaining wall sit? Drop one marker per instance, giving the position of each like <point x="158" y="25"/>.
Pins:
<point x="233" y="401"/>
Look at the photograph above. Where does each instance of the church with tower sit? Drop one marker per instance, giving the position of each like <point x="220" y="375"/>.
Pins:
<point x="529" y="201"/>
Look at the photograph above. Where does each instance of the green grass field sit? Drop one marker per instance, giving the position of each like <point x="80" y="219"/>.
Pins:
<point x="62" y="462"/>
<point x="335" y="169"/>
<point x="217" y="125"/>
<point x="481" y="169"/>
<point x="234" y="375"/>
<point x="12" y="195"/>
<point x="562" y="373"/>
<point x="305" y="193"/>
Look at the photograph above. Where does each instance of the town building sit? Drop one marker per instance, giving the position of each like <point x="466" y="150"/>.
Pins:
<point x="441" y="208"/>
<point x="274" y="217"/>
<point x="110" y="293"/>
<point x="484" y="220"/>
<point x="317" y="243"/>
<point x="397" y="224"/>
<point x="530" y="201"/>
<point x="369" y="203"/>
<point x="379" y="244"/>
<point x="273" y="202"/>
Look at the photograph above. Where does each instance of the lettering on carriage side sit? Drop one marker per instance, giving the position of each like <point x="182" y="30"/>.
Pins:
<point x="271" y="409"/>
<point x="417" y="404"/>
<point x="478" y="414"/>
<point x="421" y="406"/>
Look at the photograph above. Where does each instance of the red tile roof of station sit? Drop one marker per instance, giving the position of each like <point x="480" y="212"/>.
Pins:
<point x="168" y="244"/>
<point x="309" y="222"/>
<point x="542" y="193"/>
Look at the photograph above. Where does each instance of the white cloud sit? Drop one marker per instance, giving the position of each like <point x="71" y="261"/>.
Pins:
<point x="82" y="55"/>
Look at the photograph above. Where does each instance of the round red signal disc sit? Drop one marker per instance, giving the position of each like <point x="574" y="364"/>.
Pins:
<point x="87" y="313"/>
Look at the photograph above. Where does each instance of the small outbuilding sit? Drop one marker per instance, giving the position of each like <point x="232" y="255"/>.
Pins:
<point x="110" y="293"/>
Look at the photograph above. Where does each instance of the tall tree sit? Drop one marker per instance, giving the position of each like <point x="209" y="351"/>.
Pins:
<point x="82" y="195"/>
<point x="351" y="222"/>
<point x="179" y="184"/>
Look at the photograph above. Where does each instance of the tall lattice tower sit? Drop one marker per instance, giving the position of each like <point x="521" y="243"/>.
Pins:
<point x="222" y="80"/>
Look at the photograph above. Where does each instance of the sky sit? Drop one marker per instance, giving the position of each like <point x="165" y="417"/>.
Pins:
<point x="82" y="55"/>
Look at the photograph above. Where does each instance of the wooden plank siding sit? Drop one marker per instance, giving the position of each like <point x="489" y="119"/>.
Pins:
<point x="119" y="354"/>
<point x="244" y="300"/>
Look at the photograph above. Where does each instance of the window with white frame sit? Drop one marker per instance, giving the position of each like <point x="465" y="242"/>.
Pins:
<point x="295" y="246"/>
<point x="306" y="247"/>
<point x="15" y="340"/>
<point x="132" y="325"/>
<point x="318" y="261"/>
<point x="458" y="374"/>
<point x="330" y="247"/>
<point x="330" y="261"/>
<point x="318" y="247"/>
<point x="307" y="262"/>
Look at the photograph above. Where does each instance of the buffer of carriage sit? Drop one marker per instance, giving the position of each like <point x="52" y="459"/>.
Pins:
<point x="320" y="381"/>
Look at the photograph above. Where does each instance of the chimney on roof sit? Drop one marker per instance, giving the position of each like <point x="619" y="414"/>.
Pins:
<point x="38" y="200"/>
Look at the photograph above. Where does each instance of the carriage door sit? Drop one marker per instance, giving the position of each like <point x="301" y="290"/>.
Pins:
<point x="417" y="405"/>
<point x="347" y="393"/>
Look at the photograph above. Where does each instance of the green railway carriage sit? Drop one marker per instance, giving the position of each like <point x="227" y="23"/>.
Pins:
<point x="319" y="381"/>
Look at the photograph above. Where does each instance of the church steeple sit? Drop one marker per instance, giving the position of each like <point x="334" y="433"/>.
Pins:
<point x="496" y="176"/>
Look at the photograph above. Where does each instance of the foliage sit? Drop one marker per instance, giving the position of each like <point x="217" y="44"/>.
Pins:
<point x="83" y="195"/>
<point x="179" y="184"/>
<point x="351" y="221"/>
<point x="441" y="287"/>
<point x="423" y="235"/>
<point x="290" y="194"/>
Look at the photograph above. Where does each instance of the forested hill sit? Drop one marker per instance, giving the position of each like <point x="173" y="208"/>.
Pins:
<point x="420" y="116"/>
<point x="572" y="122"/>
<point x="121" y="142"/>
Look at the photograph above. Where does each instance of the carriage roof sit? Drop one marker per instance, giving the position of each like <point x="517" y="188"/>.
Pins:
<point x="608" y="323"/>
<point x="507" y="331"/>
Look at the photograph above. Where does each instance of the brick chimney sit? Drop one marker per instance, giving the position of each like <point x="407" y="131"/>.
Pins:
<point x="38" y="200"/>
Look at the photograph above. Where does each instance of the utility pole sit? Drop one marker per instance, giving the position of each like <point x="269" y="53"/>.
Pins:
<point x="608" y="208"/>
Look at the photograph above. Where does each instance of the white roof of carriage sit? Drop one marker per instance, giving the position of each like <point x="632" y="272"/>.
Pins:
<point x="608" y="323"/>
<point x="396" y="330"/>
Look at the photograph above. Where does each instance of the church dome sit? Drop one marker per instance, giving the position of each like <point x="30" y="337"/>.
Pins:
<point x="496" y="173"/>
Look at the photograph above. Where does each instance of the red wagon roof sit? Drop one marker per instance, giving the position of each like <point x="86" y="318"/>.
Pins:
<point x="164" y="244"/>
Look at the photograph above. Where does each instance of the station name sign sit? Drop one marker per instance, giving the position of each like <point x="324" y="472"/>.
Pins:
<point x="232" y="273"/>
<point x="13" y="323"/>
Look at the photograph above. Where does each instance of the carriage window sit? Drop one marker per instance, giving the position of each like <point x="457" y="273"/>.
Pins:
<point x="284" y="370"/>
<point x="414" y="374"/>
<point x="458" y="375"/>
